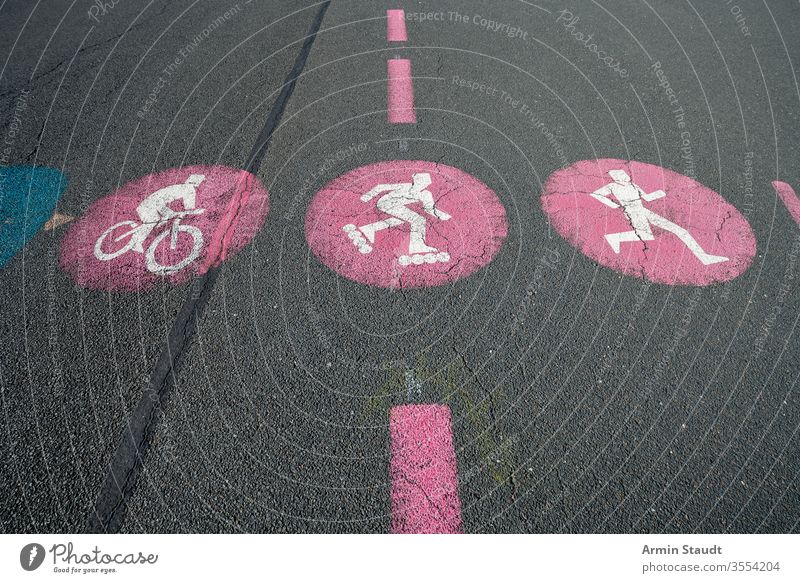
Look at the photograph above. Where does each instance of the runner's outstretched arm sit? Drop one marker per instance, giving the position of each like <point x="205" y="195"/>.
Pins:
<point x="655" y="195"/>
<point x="602" y="195"/>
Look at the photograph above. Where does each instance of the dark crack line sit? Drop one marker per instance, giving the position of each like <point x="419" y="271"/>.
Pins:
<point x="424" y="493"/>
<point x="36" y="78"/>
<point x="108" y="514"/>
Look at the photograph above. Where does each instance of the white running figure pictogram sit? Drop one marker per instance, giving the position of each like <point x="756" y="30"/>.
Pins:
<point x="396" y="203"/>
<point x="630" y="197"/>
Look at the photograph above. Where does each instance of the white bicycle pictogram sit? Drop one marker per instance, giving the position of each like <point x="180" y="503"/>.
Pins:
<point x="154" y="214"/>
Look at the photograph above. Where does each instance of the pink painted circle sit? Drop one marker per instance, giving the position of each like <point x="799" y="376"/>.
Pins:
<point x="171" y="225"/>
<point x="649" y="222"/>
<point x="405" y="224"/>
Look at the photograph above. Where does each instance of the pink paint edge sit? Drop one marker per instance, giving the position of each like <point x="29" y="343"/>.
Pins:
<point x="400" y="92"/>
<point x="423" y="471"/>
<point x="221" y="239"/>
<point x="789" y="198"/>
<point x="396" y="26"/>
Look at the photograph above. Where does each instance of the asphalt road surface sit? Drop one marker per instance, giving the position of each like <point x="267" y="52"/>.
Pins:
<point x="256" y="396"/>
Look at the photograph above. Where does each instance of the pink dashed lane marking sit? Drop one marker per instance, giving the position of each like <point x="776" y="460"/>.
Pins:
<point x="789" y="199"/>
<point x="97" y="250"/>
<point x="671" y="230"/>
<point x="396" y="26"/>
<point x="423" y="471"/>
<point x="405" y="224"/>
<point x="400" y="91"/>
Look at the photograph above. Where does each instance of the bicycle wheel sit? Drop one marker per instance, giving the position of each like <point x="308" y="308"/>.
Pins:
<point x="153" y="264"/>
<point x="98" y="246"/>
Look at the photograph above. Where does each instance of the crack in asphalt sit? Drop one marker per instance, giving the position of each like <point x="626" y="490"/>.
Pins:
<point x="109" y="511"/>
<point x="424" y="493"/>
<point x="36" y="79"/>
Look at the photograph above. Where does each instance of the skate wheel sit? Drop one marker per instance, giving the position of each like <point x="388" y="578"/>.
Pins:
<point x="420" y="258"/>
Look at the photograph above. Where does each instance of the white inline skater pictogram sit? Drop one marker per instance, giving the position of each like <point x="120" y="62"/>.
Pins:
<point x="396" y="203"/>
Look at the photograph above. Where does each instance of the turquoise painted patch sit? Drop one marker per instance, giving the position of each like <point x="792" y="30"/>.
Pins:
<point x="28" y="197"/>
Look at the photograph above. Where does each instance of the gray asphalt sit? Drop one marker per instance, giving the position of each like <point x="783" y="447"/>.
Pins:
<point x="582" y="400"/>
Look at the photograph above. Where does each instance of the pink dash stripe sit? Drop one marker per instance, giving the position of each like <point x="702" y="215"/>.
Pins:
<point x="789" y="199"/>
<point x="396" y="26"/>
<point x="423" y="471"/>
<point x="401" y="92"/>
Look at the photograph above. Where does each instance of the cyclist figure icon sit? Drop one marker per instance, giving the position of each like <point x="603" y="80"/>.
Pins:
<point x="630" y="196"/>
<point x="154" y="213"/>
<point x="396" y="202"/>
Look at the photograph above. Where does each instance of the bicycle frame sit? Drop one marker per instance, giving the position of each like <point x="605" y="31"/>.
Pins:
<point x="175" y="217"/>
